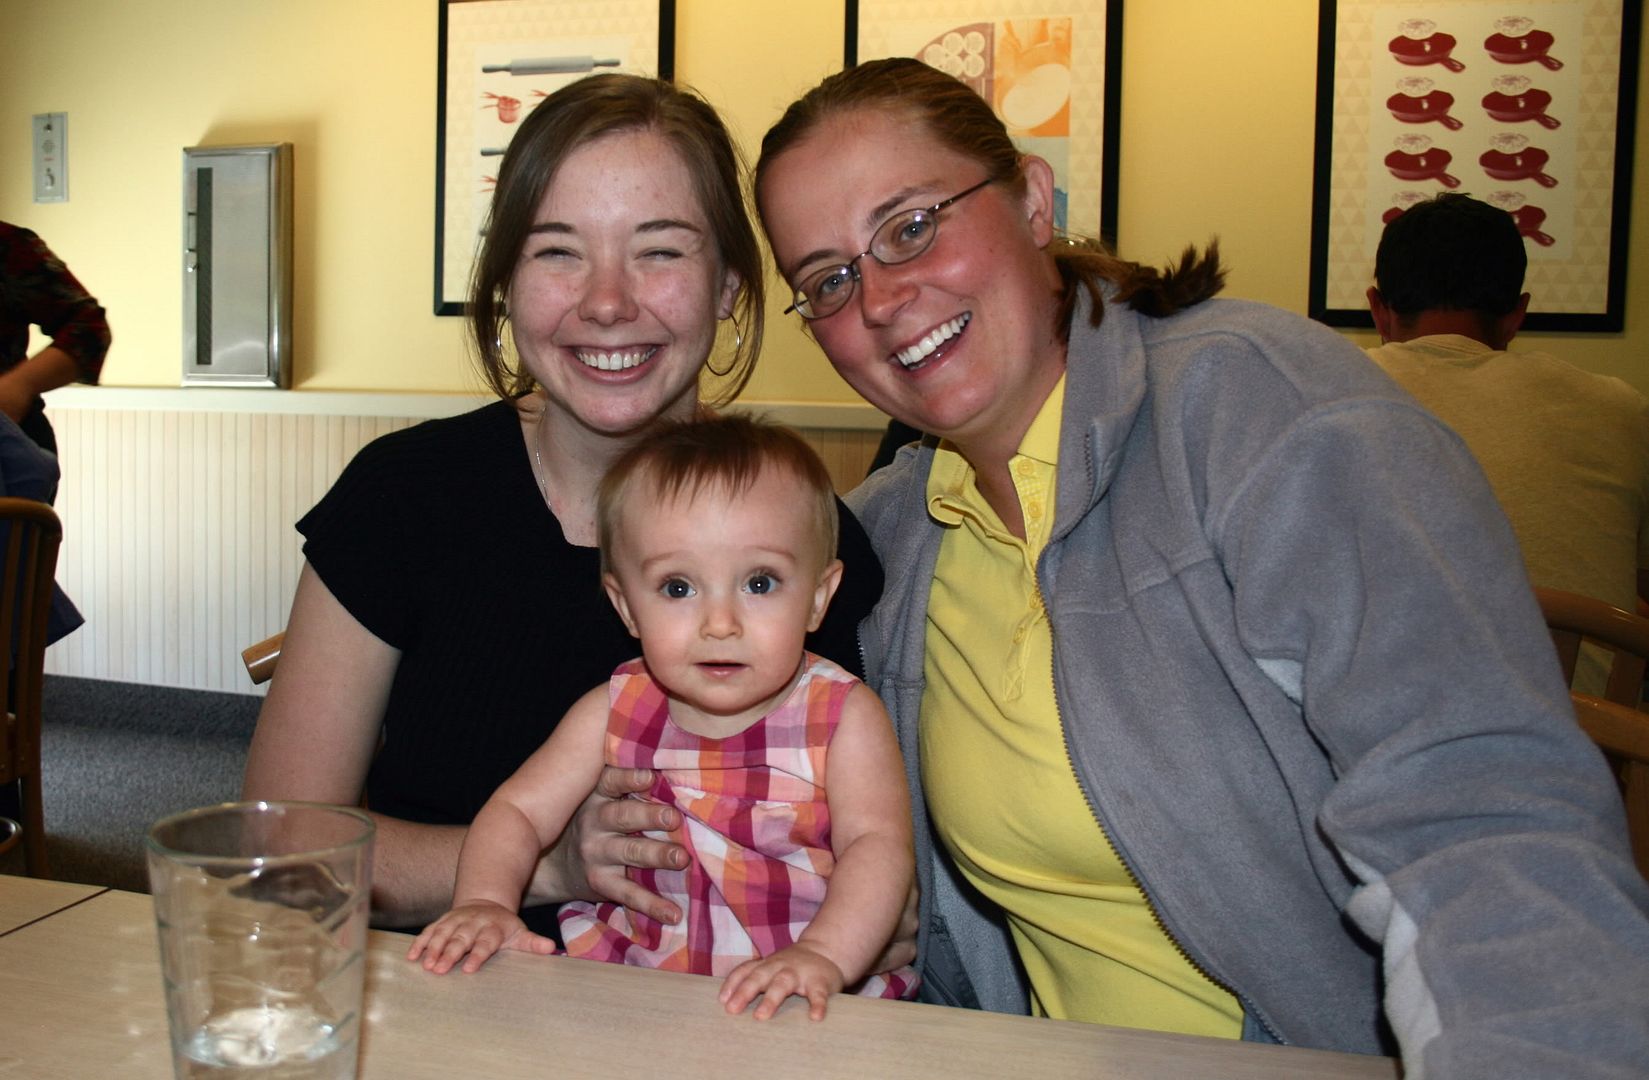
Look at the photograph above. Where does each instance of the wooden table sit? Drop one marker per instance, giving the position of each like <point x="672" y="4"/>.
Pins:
<point x="83" y="998"/>
<point x="23" y="899"/>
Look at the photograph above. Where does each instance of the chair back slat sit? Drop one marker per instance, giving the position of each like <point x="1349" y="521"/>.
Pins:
<point x="260" y="659"/>
<point x="1573" y="619"/>
<point x="31" y="539"/>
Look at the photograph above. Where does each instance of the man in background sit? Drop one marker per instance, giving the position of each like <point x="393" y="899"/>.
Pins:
<point x="1566" y="450"/>
<point x="37" y="289"/>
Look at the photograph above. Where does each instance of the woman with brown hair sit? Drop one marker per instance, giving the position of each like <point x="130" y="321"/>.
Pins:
<point x="450" y="609"/>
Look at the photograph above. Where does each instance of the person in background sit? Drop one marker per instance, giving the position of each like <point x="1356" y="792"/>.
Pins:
<point x="1566" y="451"/>
<point x="28" y="472"/>
<point x="1225" y="706"/>
<point x="718" y="547"/>
<point x="450" y="610"/>
<point x="36" y="289"/>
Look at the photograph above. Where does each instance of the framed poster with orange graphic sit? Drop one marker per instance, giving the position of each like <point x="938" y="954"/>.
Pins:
<point x="498" y="59"/>
<point x="1052" y="70"/>
<point x="1529" y="106"/>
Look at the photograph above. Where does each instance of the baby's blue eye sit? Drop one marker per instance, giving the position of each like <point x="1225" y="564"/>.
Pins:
<point x="677" y="589"/>
<point x="761" y="584"/>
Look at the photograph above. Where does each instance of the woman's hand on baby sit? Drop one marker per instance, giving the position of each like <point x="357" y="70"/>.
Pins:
<point x="472" y="933"/>
<point x="901" y="951"/>
<point x="800" y="969"/>
<point x="603" y="841"/>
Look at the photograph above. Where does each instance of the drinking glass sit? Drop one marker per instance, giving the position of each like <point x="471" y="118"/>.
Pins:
<point x="261" y="909"/>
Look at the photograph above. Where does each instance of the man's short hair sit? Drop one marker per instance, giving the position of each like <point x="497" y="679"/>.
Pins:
<point x="1451" y="253"/>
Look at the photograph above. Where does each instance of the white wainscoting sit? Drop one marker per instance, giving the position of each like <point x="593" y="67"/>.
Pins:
<point x="178" y="509"/>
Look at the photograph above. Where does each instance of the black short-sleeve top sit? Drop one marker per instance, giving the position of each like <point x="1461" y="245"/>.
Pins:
<point x="437" y="540"/>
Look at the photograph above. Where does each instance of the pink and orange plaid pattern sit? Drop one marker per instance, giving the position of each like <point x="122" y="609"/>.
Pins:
<point x="755" y="822"/>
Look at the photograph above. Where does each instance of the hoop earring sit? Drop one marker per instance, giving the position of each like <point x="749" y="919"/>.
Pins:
<point x="738" y="343"/>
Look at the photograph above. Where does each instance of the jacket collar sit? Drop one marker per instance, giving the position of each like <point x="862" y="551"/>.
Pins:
<point x="1104" y="391"/>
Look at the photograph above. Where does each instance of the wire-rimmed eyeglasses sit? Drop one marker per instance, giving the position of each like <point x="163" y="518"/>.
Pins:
<point x="899" y="239"/>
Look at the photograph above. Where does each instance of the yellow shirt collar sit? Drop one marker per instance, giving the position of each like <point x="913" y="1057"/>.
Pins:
<point x="951" y="489"/>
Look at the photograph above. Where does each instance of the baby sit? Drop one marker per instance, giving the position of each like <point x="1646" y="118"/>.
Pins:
<point x="718" y="550"/>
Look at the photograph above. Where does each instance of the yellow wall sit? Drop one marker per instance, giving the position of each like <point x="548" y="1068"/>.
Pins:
<point x="352" y="84"/>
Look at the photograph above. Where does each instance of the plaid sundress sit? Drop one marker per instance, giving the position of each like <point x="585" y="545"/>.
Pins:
<point x="754" y="820"/>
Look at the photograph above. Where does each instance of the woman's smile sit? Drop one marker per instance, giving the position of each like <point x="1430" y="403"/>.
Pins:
<point x="915" y="355"/>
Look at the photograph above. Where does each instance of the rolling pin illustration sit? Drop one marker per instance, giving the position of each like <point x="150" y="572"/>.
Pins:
<point x="549" y="65"/>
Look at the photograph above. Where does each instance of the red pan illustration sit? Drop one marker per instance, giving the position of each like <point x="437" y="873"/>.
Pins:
<point x="1432" y="164"/>
<point x="1516" y="108"/>
<point x="1529" y="219"/>
<point x="1429" y="50"/>
<point x="1523" y="165"/>
<point x="1530" y="48"/>
<point x="1418" y="110"/>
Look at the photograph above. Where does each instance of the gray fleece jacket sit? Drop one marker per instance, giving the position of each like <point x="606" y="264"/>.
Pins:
<point x="1308" y="694"/>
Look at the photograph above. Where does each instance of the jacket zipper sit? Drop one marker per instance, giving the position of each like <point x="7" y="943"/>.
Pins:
<point x="1126" y="864"/>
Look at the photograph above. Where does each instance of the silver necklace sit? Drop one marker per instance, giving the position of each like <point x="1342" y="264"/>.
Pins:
<point x="538" y="474"/>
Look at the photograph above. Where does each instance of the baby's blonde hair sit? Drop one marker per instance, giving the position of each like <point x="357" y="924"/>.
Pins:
<point x="725" y="453"/>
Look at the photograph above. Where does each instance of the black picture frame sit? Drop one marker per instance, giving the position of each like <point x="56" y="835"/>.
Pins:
<point x="1577" y="269"/>
<point x="468" y="31"/>
<point x="1093" y="177"/>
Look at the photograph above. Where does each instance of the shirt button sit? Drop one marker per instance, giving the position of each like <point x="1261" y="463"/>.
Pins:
<point x="1025" y="468"/>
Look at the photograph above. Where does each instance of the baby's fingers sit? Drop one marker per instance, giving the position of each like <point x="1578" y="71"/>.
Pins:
<point x="781" y="986"/>
<point x="447" y="949"/>
<point x="527" y="941"/>
<point x="420" y="941"/>
<point x="486" y="943"/>
<point x="430" y="942"/>
<point x="738" y="988"/>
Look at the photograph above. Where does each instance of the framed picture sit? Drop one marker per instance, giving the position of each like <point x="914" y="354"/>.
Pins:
<point x="498" y="59"/>
<point x="1525" y="105"/>
<point x="1052" y="70"/>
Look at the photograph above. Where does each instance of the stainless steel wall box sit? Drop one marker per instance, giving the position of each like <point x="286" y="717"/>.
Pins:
<point x="237" y="265"/>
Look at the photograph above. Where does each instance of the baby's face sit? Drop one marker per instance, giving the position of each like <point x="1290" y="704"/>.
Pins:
<point x="721" y="591"/>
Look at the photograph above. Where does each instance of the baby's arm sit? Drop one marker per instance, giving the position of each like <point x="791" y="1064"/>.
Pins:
<point x="524" y="816"/>
<point x="870" y="834"/>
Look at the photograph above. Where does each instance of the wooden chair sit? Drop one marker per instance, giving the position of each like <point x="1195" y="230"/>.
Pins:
<point x="1623" y="736"/>
<point x="260" y="659"/>
<point x="30" y="534"/>
<point x="1572" y="618"/>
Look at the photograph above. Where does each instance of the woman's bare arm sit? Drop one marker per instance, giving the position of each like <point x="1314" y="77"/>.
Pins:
<point x="315" y="739"/>
<point x="316" y="736"/>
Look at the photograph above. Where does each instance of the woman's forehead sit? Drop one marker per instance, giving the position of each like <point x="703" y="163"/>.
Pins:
<point x="635" y="161"/>
<point x="853" y="170"/>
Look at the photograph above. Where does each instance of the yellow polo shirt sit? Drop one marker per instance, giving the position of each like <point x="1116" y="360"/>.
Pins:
<point x="998" y="778"/>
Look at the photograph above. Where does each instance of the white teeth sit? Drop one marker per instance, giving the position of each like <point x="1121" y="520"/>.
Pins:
<point x="923" y="349"/>
<point x="613" y="361"/>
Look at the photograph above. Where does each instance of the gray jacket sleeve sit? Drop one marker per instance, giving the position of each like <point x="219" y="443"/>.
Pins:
<point x="1481" y="824"/>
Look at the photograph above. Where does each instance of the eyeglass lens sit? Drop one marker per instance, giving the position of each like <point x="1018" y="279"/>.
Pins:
<point x="899" y="239"/>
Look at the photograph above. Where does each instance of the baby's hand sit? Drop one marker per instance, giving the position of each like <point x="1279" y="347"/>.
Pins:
<point x="476" y="930"/>
<point x="799" y="969"/>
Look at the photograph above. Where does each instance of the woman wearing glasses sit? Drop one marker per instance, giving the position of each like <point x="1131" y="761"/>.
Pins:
<point x="1228" y="706"/>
